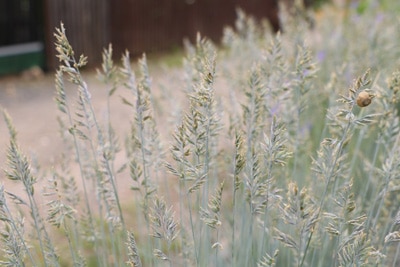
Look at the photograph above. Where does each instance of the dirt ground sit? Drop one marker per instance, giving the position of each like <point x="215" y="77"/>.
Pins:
<point x="29" y="100"/>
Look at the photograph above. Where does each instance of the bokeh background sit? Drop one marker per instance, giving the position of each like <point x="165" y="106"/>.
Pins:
<point x="27" y="26"/>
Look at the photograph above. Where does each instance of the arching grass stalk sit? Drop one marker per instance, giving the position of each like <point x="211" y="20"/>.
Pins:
<point x="87" y="119"/>
<point x="254" y="113"/>
<point x="20" y="171"/>
<point x="305" y="71"/>
<point x="144" y="136"/>
<point x="59" y="215"/>
<point x="331" y="174"/>
<point x="390" y="166"/>
<point x="164" y="227"/>
<point x="14" y="236"/>
<point x="388" y="139"/>
<point x="239" y="164"/>
<point x="275" y="153"/>
<point x="63" y="106"/>
<point x="330" y="156"/>
<point x="202" y="122"/>
<point x="192" y="224"/>
<point x="71" y="67"/>
<point x="396" y="256"/>
<point x="181" y="151"/>
<point x="212" y="127"/>
<point x="109" y="75"/>
<point x="211" y="217"/>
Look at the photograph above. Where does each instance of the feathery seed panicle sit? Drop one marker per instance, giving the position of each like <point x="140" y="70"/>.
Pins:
<point x="133" y="251"/>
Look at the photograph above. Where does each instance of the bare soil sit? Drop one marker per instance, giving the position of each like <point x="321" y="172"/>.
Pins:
<point x="29" y="100"/>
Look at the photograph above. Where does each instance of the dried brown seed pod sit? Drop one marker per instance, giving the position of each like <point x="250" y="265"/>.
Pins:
<point x="364" y="99"/>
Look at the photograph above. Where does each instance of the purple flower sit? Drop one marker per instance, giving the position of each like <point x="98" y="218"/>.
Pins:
<point x="321" y="55"/>
<point x="379" y="18"/>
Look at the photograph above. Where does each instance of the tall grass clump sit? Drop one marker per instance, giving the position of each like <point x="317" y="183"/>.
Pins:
<point x="268" y="156"/>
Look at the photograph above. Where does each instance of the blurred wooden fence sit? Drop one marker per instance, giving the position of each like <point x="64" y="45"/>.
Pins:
<point x="87" y="24"/>
<point x="143" y="25"/>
